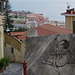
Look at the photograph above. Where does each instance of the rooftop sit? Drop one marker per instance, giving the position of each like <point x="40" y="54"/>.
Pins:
<point x="69" y="12"/>
<point x="37" y="17"/>
<point x="18" y="33"/>
<point x="45" y="29"/>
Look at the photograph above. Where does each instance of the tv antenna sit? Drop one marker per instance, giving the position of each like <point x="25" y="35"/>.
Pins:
<point x="68" y="5"/>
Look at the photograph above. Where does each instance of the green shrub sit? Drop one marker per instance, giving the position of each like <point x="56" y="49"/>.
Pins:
<point x="1" y="64"/>
<point x="5" y="61"/>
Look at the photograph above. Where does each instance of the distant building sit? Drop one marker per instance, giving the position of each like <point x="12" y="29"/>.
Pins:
<point x="16" y="26"/>
<point x="37" y="17"/>
<point x="47" y="20"/>
<point x="69" y="18"/>
<point x="18" y="13"/>
<point x="58" y="23"/>
<point x="32" y="24"/>
<point x="28" y="24"/>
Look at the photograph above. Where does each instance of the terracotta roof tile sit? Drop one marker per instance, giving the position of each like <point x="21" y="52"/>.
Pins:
<point x="57" y="30"/>
<point x="37" y="17"/>
<point x="46" y="29"/>
<point x="42" y="31"/>
<point x="21" y="37"/>
<point x="18" y="33"/>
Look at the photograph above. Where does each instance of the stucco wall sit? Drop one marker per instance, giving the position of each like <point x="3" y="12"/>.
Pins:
<point x="18" y="49"/>
<point x="69" y="22"/>
<point x="51" y="55"/>
<point x="13" y="42"/>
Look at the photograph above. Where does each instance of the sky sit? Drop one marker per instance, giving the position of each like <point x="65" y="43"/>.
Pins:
<point x="49" y="8"/>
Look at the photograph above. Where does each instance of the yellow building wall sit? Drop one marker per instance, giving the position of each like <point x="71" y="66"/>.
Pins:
<point x="19" y="49"/>
<point x="10" y="40"/>
<point x="69" y="22"/>
<point x="1" y="39"/>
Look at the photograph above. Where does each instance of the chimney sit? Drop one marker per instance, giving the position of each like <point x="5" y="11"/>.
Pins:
<point x="74" y="27"/>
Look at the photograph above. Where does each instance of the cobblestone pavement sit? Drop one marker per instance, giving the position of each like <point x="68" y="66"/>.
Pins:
<point x="13" y="69"/>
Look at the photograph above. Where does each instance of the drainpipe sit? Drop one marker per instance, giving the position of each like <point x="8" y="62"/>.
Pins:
<point x="74" y="27"/>
<point x="71" y="24"/>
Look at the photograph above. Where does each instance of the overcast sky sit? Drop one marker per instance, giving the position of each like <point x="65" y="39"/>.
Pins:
<point x="50" y="8"/>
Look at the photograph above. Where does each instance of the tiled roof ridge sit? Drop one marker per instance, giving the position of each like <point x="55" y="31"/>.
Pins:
<point x="56" y="27"/>
<point x="46" y="29"/>
<point x="19" y="33"/>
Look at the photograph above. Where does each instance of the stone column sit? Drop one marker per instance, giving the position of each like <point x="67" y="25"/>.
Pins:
<point x="1" y="38"/>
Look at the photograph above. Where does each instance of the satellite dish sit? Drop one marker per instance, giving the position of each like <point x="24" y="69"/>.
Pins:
<point x="68" y="5"/>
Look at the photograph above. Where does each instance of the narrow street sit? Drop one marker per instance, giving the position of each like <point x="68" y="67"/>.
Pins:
<point x="13" y="69"/>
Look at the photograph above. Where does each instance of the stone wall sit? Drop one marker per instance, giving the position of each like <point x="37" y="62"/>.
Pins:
<point x="51" y="55"/>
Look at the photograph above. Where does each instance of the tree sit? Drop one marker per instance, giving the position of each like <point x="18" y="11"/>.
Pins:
<point x="19" y="21"/>
<point x="8" y="21"/>
<point x="0" y="6"/>
<point x="16" y="16"/>
<point x="21" y="30"/>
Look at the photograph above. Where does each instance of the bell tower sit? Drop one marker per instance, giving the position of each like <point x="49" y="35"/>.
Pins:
<point x="69" y="18"/>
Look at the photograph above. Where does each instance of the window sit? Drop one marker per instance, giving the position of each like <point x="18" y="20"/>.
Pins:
<point x="12" y="50"/>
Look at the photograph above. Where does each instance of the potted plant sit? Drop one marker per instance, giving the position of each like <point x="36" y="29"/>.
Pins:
<point x="5" y="62"/>
<point x="1" y="66"/>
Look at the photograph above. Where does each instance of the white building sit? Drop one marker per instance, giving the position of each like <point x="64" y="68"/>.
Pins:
<point x="32" y="24"/>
